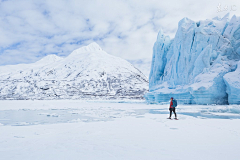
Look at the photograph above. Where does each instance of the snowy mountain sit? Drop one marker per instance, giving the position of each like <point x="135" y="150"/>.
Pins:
<point x="144" y="65"/>
<point x="87" y="73"/>
<point x="200" y="65"/>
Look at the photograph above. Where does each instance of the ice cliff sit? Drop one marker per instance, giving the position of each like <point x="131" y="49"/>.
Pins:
<point x="200" y="65"/>
<point x="87" y="73"/>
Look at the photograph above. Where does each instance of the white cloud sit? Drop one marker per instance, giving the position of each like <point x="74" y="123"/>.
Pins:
<point x="31" y="29"/>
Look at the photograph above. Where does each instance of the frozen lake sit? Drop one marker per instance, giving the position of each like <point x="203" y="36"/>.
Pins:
<point x="101" y="130"/>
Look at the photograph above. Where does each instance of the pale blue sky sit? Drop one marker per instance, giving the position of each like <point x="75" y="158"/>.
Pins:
<point x="31" y="29"/>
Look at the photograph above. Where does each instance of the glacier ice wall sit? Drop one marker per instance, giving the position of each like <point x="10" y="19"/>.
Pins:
<point x="233" y="85"/>
<point x="191" y="66"/>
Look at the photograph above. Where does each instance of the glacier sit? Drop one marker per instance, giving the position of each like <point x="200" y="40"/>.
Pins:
<point x="200" y="65"/>
<point x="87" y="73"/>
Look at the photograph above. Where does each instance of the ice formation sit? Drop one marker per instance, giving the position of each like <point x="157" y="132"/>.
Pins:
<point x="87" y="73"/>
<point x="199" y="65"/>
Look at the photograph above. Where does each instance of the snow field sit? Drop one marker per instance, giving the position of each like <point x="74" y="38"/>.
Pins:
<point x="94" y="130"/>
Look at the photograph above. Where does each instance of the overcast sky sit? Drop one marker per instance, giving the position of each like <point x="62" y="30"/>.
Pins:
<point x="32" y="29"/>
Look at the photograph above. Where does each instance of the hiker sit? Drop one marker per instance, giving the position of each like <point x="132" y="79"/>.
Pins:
<point x="172" y="108"/>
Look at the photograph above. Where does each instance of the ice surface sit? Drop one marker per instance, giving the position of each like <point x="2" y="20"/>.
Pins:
<point x="191" y="66"/>
<point x="107" y="131"/>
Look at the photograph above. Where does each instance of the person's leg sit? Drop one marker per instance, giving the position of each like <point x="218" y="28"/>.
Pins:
<point x="170" y="109"/>
<point x="174" y="111"/>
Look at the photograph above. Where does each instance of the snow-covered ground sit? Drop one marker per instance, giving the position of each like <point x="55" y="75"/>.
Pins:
<point x="93" y="130"/>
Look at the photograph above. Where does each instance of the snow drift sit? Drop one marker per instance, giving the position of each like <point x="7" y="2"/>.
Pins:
<point x="199" y="65"/>
<point x="87" y="73"/>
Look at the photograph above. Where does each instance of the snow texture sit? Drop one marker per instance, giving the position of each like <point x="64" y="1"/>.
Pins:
<point x="198" y="65"/>
<point x="88" y="72"/>
<point x="66" y="129"/>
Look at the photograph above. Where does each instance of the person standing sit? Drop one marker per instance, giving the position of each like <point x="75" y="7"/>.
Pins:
<point x="172" y="108"/>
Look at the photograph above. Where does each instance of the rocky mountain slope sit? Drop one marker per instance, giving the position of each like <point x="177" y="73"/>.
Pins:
<point x="87" y="73"/>
<point x="144" y="65"/>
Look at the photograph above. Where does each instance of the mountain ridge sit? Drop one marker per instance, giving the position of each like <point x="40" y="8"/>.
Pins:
<point x="88" y="72"/>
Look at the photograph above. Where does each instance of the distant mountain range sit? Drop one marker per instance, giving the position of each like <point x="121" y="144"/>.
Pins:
<point x="87" y="73"/>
